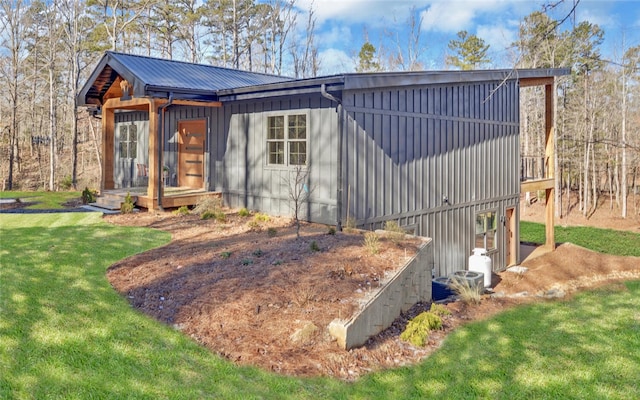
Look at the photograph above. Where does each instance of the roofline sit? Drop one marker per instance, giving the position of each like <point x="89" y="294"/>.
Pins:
<point x="356" y="81"/>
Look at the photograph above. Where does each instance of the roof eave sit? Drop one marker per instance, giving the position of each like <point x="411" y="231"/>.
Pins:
<point x="333" y="83"/>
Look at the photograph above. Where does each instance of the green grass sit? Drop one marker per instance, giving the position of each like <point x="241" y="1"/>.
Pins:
<point x="65" y="333"/>
<point x="606" y="241"/>
<point x="44" y="200"/>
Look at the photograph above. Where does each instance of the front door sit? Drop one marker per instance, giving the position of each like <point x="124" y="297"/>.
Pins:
<point x="191" y="153"/>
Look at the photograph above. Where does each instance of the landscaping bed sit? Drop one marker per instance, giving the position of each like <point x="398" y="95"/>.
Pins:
<point x="253" y="293"/>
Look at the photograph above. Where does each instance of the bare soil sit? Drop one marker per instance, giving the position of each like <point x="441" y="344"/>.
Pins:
<point x="256" y="295"/>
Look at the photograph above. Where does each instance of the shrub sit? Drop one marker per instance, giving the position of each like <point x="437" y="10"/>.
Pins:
<point x="208" y="203"/>
<point x="66" y="183"/>
<point x="314" y="246"/>
<point x="183" y="210"/>
<point x="127" y="206"/>
<point x="259" y="217"/>
<point x="417" y="330"/>
<point x="396" y="233"/>
<point x="272" y="232"/>
<point x="88" y="196"/>
<point x="350" y="224"/>
<point x="372" y="242"/>
<point x="439" y="309"/>
<point x="331" y="231"/>
<point x="225" y="254"/>
<point x="258" y="253"/>
<point x="217" y="215"/>
<point x="468" y="293"/>
<point x="244" y="212"/>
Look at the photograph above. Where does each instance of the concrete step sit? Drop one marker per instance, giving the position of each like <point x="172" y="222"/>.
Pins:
<point x="111" y="196"/>
<point x="107" y="204"/>
<point x="91" y="207"/>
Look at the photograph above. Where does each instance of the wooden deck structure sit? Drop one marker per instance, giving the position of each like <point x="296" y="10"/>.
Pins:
<point x="118" y="97"/>
<point x="174" y="197"/>
<point x="548" y="182"/>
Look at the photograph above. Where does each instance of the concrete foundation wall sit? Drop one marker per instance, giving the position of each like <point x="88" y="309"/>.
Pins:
<point x="410" y="284"/>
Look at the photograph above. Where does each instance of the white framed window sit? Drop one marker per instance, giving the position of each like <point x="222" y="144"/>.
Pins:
<point x="287" y="139"/>
<point x="128" y="139"/>
<point x="486" y="230"/>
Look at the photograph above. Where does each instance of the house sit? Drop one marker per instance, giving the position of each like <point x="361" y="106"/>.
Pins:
<point x="438" y="152"/>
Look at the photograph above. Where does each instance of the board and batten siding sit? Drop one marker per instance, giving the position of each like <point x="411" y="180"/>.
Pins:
<point x="247" y="180"/>
<point x="214" y="146"/>
<point x="430" y="158"/>
<point x="125" y="174"/>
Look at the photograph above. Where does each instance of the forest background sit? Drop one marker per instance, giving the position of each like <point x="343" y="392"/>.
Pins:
<point x="48" y="49"/>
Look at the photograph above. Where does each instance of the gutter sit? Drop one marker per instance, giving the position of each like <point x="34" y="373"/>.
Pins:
<point x="159" y="165"/>
<point x="341" y="115"/>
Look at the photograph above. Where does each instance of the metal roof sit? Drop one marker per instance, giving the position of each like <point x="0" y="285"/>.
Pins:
<point x="157" y="77"/>
<point x="154" y="77"/>
<point x="355" y="81"/>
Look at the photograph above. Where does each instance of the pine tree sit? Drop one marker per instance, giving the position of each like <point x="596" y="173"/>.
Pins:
<point x="470" y="52"/>
<point x="367" y="59"/>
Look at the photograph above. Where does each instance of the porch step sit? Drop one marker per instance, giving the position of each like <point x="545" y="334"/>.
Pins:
<point x="112" y="201"/>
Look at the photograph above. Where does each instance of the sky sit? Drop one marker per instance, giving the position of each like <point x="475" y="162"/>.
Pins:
<point x="342" y="25"/>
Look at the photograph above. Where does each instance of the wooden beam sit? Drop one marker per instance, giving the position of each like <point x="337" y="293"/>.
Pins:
<point x="528" y="82"/>
<point x="194" y="103"/>
<point x="114" y="90"/>
<point x="536" y="184"/>
<point x="549" y="154"/>
<point x="138" y="103"/>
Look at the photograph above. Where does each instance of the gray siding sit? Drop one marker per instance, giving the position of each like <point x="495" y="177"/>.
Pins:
<point x="125" y="172"/>
<point x="214" y="143"/>
<point x="405" y="150"/>
<point x="248" y="181"/>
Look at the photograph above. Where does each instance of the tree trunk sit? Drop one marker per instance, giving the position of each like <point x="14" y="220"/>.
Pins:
<point x="623" y="132"/>
<point x="52" y="127"/>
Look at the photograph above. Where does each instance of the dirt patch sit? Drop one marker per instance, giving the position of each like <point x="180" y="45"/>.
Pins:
<point x="256" y="295"/>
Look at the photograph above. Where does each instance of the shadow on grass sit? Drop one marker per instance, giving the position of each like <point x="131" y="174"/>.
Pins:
<point x="64" y="333"/>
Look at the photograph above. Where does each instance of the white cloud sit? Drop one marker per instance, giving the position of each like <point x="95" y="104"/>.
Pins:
<point x="335" y="34"/>
<point x="335" y="61"/>
<point x="499" y="37"/>
<point x="374" y="13"/>
<point x="456" y="15"/>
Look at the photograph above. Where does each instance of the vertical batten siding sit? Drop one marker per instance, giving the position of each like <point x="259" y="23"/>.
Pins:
<point x="213" y="143"/>
<point x="247" y="179"/>
<point x="125" y="174"/>
<point x="413" y="146"/>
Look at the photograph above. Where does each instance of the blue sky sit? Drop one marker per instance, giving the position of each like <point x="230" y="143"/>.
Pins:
<point x="341" y="26"/>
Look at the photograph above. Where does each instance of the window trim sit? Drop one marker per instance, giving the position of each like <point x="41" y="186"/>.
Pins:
<point x="286" y="141"/>
<point x="495" y="247"/>
<point x="127" y="143"/>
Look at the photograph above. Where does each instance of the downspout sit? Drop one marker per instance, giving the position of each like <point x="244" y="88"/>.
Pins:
<point x="339" y="191"/>
<point x="160" y="164"/>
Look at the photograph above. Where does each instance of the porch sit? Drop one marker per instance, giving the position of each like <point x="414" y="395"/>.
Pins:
<point x="174" y="197"/>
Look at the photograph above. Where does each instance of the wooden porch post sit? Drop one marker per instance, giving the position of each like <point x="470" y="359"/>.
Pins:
<point x="108" y="141"/>
<point x="549" y="160"/>
<point x="154" y="146"/>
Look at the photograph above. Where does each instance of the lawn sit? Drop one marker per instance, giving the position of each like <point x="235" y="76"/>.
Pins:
<point x="64" y="333"/>
<point x="608" y="241"/>
<point x="43" y="200"/>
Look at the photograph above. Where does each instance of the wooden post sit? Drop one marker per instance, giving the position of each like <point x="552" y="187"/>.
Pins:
<point x="108" y="141"/>
<point x="550" y="98"/>
<point x="154" y="174"/>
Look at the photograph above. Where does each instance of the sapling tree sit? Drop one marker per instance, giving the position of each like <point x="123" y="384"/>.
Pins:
<point x="299" y="192"/>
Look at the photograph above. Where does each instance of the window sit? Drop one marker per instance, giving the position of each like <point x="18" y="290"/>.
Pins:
<point x="287" y="139"/>
<point x="128" y="141"/>
<point x="486" y="230"/>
